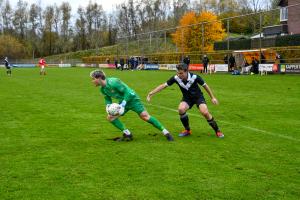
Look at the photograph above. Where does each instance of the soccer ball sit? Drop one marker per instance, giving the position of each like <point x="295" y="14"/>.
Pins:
<point x="113" y="109"/>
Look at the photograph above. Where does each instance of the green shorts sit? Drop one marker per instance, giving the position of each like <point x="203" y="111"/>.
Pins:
<point x="134" y="105"/>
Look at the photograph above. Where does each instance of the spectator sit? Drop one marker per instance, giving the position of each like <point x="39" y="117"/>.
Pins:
<point x="226" y="59"/>
<point x="135" y="62"/>
<point x="255" y="65"/>
<point x="205" y="62"/>
<point x="279" y="58"/>
<point x="245" y="66"/>
<point x="262" y="58"/>
<point x="122" y="63"/>
<point x="131" y="63"/>
<point x="231" y="63"/>
<point x="186" y="60"/>
<point x="128" y="62"/>
<point x="116" y="63"/>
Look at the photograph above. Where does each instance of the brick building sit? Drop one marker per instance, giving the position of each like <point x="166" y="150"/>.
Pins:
<point x="290" y="16"/>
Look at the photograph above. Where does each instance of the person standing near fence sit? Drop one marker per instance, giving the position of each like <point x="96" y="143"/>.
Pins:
<point x="122" y="63"/>
<point x="205" y="62"/>
<point x="231" y="63"/>
<point x="255" y="66"/>
<point x="186" y="60"/>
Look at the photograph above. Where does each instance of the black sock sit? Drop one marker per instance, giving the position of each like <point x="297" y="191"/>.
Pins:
<point x="213" y="124"/>
<point x="184" y="118"/>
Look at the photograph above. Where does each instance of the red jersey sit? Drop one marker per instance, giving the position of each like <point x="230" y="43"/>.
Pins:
<point x="42" y="62"/>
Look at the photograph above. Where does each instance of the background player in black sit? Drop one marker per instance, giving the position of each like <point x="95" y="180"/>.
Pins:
<point x="188" y="84"/>
<point x="205" y="62"/>
<point x="7" y="66"/>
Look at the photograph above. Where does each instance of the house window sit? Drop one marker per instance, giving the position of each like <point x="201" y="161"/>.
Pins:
<point x="283" y="14"/>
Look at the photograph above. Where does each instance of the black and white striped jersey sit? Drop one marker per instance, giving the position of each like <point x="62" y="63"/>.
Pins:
<point x="189" y="87"/>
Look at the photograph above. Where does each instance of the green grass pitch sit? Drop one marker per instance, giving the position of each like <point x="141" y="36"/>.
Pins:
<point x="54" y="139"/>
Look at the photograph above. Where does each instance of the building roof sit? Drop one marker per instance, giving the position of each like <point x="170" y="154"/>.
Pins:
<point x="283" y="3"/>
<point x="258" y="36"/>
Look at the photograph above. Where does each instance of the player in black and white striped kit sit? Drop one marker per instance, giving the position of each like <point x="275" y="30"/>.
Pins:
<point x="188" y="84"/>
<point x="7" y="66"/>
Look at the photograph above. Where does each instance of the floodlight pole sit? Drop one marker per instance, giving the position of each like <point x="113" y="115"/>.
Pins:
<point x="260" y="32"/>
<point x="228" y="34"/>
<point x="127" y="38"/>
<point x="165" y="40"/>
<point x="150" y="40"/>
<point x="182" y="50"/>
<point x="138" y="40"/>
<point x="202" y="33"/>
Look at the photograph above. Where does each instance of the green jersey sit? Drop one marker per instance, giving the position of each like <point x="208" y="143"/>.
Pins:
<point x="116" y="89"/>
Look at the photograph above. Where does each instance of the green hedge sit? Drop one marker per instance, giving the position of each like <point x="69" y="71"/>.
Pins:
<point x="288" y="40"/>
<point x="280" y="41"/>
<point x="233" y="44"/>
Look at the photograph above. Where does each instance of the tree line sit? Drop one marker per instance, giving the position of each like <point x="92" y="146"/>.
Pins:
<point x="41" y="31"/>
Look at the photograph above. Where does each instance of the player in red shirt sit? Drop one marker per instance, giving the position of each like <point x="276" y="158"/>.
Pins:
<point x="42" y="64"/>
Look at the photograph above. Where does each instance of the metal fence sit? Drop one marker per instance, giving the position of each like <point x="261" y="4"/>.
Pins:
<point x="267" y="23"/>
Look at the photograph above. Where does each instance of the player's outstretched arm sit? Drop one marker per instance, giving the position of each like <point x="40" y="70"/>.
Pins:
<point x="156" y="90"/>
<point x="210" y="93"/>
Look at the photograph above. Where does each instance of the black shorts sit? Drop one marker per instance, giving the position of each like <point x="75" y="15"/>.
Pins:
<point x="7" y="67"/>
<point x="195" y="100"/>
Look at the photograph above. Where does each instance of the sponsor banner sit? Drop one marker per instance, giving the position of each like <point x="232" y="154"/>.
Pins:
<point x="211" y="68"/>
<point x="111" y="66"/>
<point x="171" y="66"/>
<point x="64" y="65"/>
<point x="24" y="65"/>
<point x="151" y="67"/>
<point x="163" y="67"/>
<point x="221" y="67"/>
<point x="85" y="65"/>
<point x="49" y="65"/>
<point x="167" y="66"/>
<point x="275" y="68"/>
<point x="282" y="68"/>
<point x="290" y="68"/>
<point x="265" y="67"/>
<point x="105" y="65"/>
<point x="196" y="67"/>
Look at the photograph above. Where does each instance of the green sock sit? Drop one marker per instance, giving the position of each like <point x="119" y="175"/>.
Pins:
<point x="156" y="123"/>
<point x="118" y="124"/>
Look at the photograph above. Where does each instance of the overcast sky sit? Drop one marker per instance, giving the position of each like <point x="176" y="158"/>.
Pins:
<point x="108" y="5"/>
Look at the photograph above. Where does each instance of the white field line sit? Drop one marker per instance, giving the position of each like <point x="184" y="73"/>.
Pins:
<point x="225" y="122"/>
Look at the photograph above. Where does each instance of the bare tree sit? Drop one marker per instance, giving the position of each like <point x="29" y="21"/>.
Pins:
<point x="80" y="26"/>
<point x="180" y="7"/>
<point x="66" y="17"/>
<point x="56" y="18"/>
<point x="47" y="34"/>
<point x="7" y="17"/>
<point x="256" y="5"/>
<point x="65" y="26"/>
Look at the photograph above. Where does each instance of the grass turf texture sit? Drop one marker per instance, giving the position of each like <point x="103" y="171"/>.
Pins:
<point x="54" y="139"/>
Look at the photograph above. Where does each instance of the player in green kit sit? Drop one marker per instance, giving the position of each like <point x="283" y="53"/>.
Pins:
<point x="128" y="100"/>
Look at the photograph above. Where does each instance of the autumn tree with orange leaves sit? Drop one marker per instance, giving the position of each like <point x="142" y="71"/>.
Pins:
<point x="188" y="36"/>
